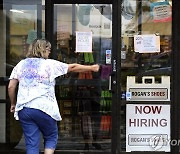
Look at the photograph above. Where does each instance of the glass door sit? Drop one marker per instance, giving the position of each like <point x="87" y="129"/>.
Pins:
<point x="82" y="33"/>
<point x="21" y="23"/>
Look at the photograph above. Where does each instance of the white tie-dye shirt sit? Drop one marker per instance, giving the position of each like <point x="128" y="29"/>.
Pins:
<point x="36" y="78"/>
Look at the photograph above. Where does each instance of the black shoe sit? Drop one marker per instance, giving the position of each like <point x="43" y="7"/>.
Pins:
<point x="86" y="147"/>
<point x="97" y="146"/>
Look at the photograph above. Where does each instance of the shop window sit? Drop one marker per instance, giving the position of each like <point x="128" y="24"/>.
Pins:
<point x="144" y="22"/>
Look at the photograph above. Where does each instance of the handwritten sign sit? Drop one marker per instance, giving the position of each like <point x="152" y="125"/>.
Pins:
<point x="146" y="43"/>
<point x="147" y="127"/>
<point x="83" y="41"/>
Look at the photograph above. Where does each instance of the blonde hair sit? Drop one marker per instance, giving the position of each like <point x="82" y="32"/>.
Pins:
<point x="38" y="48"/>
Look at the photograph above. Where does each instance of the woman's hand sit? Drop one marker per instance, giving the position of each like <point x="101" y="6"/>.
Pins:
<point x="95" y="68"/>
<point x="12" y="109"/>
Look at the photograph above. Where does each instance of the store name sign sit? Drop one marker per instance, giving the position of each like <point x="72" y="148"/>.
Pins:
<point x="148" y="91"/>
<point x="147" y="127"/>
<point x="148" y="94"/>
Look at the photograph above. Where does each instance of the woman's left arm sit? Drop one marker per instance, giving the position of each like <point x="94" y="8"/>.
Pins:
<point x="82" y="68"/>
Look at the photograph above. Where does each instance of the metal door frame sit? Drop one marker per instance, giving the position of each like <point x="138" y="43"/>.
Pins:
<point x="49" y="10"/>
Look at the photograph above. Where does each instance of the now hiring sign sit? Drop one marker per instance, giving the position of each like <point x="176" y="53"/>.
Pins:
<point x="147" y="127"/>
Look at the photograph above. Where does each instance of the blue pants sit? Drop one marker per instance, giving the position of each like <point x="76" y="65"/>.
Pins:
<point x="34" y="122"/>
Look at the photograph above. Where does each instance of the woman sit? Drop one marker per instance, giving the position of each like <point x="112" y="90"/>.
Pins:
<point x="36" y="106"/>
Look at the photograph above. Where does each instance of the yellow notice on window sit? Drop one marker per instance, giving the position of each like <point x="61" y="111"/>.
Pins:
<point x="147" y="43"/>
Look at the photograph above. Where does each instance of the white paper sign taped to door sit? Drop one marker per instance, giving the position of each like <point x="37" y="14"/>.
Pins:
<point x="148" y="90"/>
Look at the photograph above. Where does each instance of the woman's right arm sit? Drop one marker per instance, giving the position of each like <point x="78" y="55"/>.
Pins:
<point x="12" y="93"/>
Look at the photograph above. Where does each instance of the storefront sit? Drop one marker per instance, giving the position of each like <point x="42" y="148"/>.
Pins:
<point x="132" y="104"/>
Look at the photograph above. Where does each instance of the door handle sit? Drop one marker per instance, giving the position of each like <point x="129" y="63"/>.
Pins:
<point x="111" y="82"/>
<point x="110" y="88"/>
